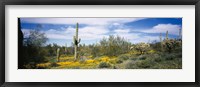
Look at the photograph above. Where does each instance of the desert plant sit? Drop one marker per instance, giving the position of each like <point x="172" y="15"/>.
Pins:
<point x="58" y="54"/>
<point x="142" y="47"/>
<point x="171" y="45"/>
<point x="123" y="57"/>
<point x="76" y="42"/>
<point x="142" y="57"/>
<point x="104" y="65"/>
<point x="119" y="61"/>
<point x="161" y="45"/>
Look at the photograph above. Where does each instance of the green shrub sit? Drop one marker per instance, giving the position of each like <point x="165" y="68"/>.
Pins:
<point x="54" y="64"/>
<point x="144" y="64"/>
<point x="104" y="65"/>
<point x="123" y="57"/>
<point x="142" y="57"/>
<point x="119" y="61"/>
<point x="169" y="56"/>
<point x="130" y="64"/>
<point x="158" y="59"/>
<point x="142" y="47"/>
<point x="133" y="57"/>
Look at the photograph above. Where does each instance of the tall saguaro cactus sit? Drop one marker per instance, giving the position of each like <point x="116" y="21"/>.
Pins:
<point x="76" y="42"/>
<point x="58" y="54"/>
<point x="167" y="35"/>
<point x="180" y="36"/>
<point x="161" y="44"/>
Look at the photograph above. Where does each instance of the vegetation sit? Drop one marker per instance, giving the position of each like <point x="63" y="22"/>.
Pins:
<point x="114" y="52"/>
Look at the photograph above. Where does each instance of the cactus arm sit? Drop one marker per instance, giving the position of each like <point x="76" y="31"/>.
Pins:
<point x="79" y="40"/>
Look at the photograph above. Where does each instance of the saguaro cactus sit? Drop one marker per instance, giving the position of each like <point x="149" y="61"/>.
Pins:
<point x="180" y="36"/>
<point x="65" y="50"/>
<point x="166" y="35"/>
<point x="161" y="44"/>
<point x="58" y="54"/>
<point x="76" y="42"/>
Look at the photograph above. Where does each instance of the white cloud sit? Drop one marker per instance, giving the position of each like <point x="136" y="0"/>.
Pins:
<point x="122" y="30"/>
<point x="116" y="24"/>
<point x="147" y="39"/>
<point x="92" y="33"/>
<point x="87" y="21"/>
<point x="162" y="28"/>
<point x="97" y="28"/>
<point x="85" y="33"/>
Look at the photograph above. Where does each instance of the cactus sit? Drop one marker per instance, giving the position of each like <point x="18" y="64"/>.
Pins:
<point x="161" y="46"/>
<point x="58" y="54"/>
<point x="76" y="42"/>
<point x="169" y="45"/>
<point x="65" y="50"/>
<point x="142" y="47"/>
<point x="166" y="35"/>
<point x="180" y="36"/>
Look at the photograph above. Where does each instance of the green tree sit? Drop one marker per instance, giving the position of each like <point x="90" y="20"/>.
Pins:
<point x="34" y="48"/>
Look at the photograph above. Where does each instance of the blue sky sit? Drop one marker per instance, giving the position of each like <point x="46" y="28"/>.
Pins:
<point x="91" y="30"/>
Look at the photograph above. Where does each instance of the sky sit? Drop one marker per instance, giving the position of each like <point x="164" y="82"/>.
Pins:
<point x="92" y="30"/>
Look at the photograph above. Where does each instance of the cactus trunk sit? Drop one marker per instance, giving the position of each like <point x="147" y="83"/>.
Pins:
<point x="167" y="35"/>
<point x="180" y="36"/>
<point x="161" y="46"/>
<point x="76" y="42"/>
<point x="58" y="54"/>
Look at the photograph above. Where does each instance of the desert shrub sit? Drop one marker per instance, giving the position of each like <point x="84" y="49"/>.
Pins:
<point x="123" y="57"/>
<point x="170" y="56"/>
<point x="114" y="45"/>
<point x="133" y="57"/>
<point x="157" y="59"/>
<point x="104" y="65"/>
<point x="179" y="54"/>
<point x="54" y="64"/>
<point x="43" y="66"/>
<point x="172" y="45"/>
<point x="31" y="65"/>
<point x="142" y="57"/>
<point x="113" y="61"/>
<point x="142" y="47"/>
<point x="119" y="61"/>
<point x="130" y="64"/>
<point x="76" y="67"/>
<point x="143" y="64"/>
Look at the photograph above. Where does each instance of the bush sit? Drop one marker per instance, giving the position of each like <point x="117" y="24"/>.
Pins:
<point x="130" y="64"/>
<point x="172" y="45"/>
<point x="169" y="56"/>
<point x="158" y="59"/>
<point x="144" y="64"/>
<point x="142" y="47"/>
<point x="119" y="61"/>
<point x="123" y="57"/>
<point x="54" y="64"/>
<point x="104" y="65"/>
<point x="142" y="57"/>
<point x="133" y="57"/>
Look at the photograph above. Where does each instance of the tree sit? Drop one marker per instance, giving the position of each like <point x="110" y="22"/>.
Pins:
<point x="114" y="45"/>
<point x="36" y="38"/>
<point x="34" y="48"/>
